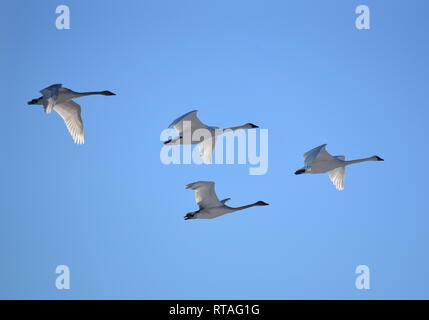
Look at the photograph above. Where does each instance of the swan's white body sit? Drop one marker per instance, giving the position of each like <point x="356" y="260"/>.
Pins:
<point x="57" y="98"/>
<point x="318" y="160"/>
<point x="56" y="94"/>
<point x="209" y="204"/>
<point x="207" y="145"/>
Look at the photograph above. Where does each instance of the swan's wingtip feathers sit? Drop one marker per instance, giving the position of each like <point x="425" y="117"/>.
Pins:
<point x="190" y="112"/>
<point x="79" y="139"/>
<point x="323" y="146"/>
<point x="180" y="118"/>
<point x="197" y="184"/>
<point x="338" y="183"/>
<point x="225" y="200"/>
<point x="53" y="86"/>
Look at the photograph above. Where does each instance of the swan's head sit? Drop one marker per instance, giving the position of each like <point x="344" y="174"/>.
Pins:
<point x="261" y="203"/>
<point x="35" y="101"/>
<point x="108" y="93"/>
<point x="190" y="215"/>
<point x="250" y="126"/>
<point x="377" y="158"/>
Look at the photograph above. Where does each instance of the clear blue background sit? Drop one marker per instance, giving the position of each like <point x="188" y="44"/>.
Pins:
<point x="114" y="214"/>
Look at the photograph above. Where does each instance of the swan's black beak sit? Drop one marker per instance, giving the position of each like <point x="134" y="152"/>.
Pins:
<point x="168" y="141"/>
<point x="300" y="171"/>
<point x="109" y="93"/>
<point x="379" y="159"/>
<point x="253" y="126"/>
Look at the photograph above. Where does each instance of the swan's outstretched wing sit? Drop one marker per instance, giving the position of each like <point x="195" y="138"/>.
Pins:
<point x="205" y="194"/>
<point x="50" y="95"/>
<point x="225" y="200"/>
<point x="70" y="112"/>
<point x="206" y="148"/>
<point x="337" y="177"/>
<point x="318" y="153"/>
<point x="51" y="90"/>
<point x="194" y="122"/>
<point x="63" y="90"/>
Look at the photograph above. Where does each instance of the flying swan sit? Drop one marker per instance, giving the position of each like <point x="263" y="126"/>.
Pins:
<point x="206" y="146"/>
<point x="57" y="98"/>
<point x="210" y="206"/>
<point x="318" y="160"/>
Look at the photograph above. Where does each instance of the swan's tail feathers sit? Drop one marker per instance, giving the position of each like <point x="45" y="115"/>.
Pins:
<point x="300" y="171"/>
<point x="48" y="109"/>
<point x="49" y="105"/>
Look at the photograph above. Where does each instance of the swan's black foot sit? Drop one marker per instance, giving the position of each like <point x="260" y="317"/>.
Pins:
<point x="300" y="171"/>
<point x="189" y="216"/>
<point x="34" y="101"/>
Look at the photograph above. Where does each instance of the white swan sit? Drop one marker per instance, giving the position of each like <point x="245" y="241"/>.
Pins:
<point x="206" y="146"/>
<point x="318" y="160"/>
<point x="57" y="98"/>
<point x="210" y="206"/>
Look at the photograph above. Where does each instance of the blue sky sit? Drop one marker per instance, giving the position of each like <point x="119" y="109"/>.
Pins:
<point x="113" y="213"/>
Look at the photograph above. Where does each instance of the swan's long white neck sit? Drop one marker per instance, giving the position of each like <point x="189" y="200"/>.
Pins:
<point x="360" y="160"/>
<point x="83" y="94"/>
<point x="232" y="209"/>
